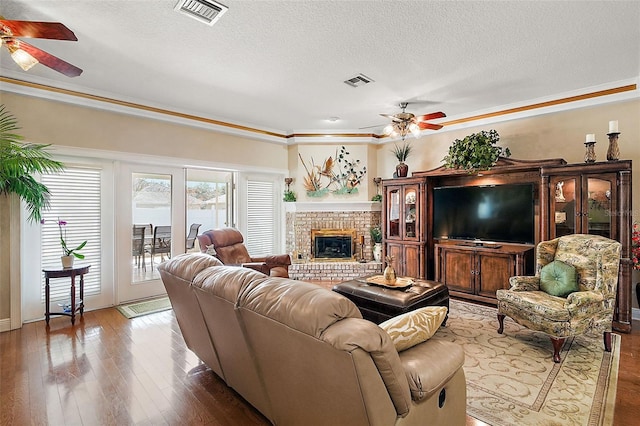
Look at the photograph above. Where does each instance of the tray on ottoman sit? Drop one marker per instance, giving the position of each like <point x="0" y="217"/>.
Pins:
<point x="378" y="303"/>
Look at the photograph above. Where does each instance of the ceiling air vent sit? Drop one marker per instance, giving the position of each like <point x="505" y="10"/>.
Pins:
<point x="358" y="80"/>
<point x="203" y="10"/>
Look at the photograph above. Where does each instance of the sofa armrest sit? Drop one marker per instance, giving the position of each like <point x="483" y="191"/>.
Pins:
<point x="584" y="302"/>
<point x="430" y="365"/>
<point x="257" y="266"/>
<point x="278" y="260"/>
<point x="274" y="260"/>
<point x="524" y="283"/>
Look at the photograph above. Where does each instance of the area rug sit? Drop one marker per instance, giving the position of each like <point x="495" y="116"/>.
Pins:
<point x="145" y="307"/>
<point x="512" y="379"/>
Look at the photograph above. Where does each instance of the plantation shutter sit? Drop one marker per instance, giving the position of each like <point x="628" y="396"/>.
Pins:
<point x="261" y="221"/>
<point x="75" y="199"/>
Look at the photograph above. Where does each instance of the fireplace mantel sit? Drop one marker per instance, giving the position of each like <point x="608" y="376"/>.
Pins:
<point x="333" y="206"/>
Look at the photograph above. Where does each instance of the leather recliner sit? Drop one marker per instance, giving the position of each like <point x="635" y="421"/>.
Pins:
<point x="230" y="250"/>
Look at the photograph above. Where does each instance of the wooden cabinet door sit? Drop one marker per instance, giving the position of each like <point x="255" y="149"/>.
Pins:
<point x="411" y="263"/>
<point x="394" y="211"/>
<point x="599" y="200"/>
<point x="456" y="269"/>
<point x="565" y="206"/>
<point x="411" y="213"/>
<point x="493" y="272"/>
<point x="394" y="250"/>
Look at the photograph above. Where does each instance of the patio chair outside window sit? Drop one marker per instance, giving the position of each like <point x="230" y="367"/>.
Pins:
<point x="161" y="243"/>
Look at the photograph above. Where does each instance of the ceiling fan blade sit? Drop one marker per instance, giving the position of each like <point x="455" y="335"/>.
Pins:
<point x="423" y="125"/>
<point x="392" y="117"/>
<point x="32" y="29"/>
<point x="431" y="116"/>
<point x="48" y="59"/>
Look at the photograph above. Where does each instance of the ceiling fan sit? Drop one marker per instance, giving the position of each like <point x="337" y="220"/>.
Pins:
<point x="26" y="55"/>
<point x="404" y="122"/>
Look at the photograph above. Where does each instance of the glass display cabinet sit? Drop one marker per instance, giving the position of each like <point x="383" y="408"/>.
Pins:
<point x="402" y="215"/>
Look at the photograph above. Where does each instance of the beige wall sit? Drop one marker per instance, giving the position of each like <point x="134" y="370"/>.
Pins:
<point x="547" y="136"/>
<point x="44" y="121"/>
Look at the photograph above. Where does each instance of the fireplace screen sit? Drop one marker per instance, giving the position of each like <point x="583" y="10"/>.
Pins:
<point x="333" y="244"/>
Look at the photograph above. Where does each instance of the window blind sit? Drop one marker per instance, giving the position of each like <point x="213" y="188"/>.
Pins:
<point x="261" y="221"/>
<point x="75" y="199"/>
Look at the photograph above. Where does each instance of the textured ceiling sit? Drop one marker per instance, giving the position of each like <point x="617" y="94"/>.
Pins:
<point x="280" y="65"/>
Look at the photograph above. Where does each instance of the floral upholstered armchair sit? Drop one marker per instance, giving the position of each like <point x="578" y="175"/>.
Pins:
<point x="589" y="309"/>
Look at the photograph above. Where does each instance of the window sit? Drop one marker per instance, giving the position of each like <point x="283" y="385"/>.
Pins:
<point x="208" y="198"/>
<point x="75" y="199"/>
<point x="261" y="218"/>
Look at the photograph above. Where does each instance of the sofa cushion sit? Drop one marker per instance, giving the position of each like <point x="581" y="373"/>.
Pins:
<point x="302" y="306"/>
<point x="414" y="327"/>
<point x="186" y="266"/>
<point x="558" y="279"/>
<point x="227" y="282"/>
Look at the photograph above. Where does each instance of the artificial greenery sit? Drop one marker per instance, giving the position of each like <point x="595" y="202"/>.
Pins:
<point x="349" y="173"/>
<point x="18" y="162"/>
<point x="475" y="152"/>
<point x="376" y="234"/>
<point x="289" y="196"/>
<point x="376" y="197"/>
<point x="402" y="152"/>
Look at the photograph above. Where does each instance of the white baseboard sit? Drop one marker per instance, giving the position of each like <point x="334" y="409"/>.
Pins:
<point x="5" y="324"/>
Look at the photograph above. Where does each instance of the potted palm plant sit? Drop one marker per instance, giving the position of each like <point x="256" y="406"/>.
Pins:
<point x="18" y="162"/>
<point x="402" y="152"/>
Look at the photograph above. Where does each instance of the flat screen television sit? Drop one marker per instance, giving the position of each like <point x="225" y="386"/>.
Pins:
<point x="493" y="213"/>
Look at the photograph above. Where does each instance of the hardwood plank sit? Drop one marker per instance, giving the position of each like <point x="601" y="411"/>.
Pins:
<point x="110" y="370"/>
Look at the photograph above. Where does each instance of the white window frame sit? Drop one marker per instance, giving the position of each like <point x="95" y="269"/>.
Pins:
<point x="276" y="204"/>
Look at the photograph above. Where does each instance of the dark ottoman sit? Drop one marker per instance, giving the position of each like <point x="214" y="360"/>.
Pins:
<point x="378" y="303"/>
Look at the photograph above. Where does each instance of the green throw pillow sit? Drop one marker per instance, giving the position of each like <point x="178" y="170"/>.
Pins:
<point x="558" y="279"/>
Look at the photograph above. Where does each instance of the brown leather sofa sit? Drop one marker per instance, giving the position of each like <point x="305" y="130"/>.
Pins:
<point x="303" y="355"/>
<point x="229" y="248"/>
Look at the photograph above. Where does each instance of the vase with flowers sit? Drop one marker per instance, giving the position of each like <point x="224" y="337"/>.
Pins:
<point x="68" y="254"/>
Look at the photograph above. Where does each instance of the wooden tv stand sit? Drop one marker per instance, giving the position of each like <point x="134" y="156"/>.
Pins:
<point x="475" y="271"/>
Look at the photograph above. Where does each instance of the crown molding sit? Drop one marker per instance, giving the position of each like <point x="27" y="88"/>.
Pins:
<point x="598" y="95"/>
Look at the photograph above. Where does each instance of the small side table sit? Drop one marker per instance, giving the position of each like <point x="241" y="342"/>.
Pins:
<point x="77" y="270"/>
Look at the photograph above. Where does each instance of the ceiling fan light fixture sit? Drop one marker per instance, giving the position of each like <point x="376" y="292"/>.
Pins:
<point x="415" y="130"/>
<point x="22" y="58"/>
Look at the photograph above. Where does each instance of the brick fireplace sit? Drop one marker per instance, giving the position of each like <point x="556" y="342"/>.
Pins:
<point x="305" y="218"/>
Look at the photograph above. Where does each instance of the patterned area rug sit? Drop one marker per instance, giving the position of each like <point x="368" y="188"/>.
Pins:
<point x="512" y="379"/>
<point x="138" y="309"/>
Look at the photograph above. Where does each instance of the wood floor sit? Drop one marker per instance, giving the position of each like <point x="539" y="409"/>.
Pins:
<point x="108" y="370"/>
